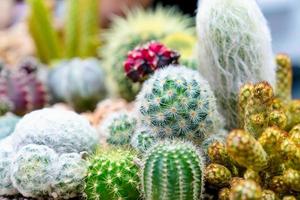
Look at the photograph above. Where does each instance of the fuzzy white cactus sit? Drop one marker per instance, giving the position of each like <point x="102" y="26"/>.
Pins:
<point x="63" y="131"/>
<point x="234" y="48"/>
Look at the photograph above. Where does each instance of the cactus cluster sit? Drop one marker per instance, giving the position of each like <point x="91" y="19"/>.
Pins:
<point x="119" y="128"/>
<point x="7" y="124"/>
<point x="173" y="170"/>
<point x="142" y="140"/>
<point x="228" y="62"/>
<point x="113" y="175"/>
<point x="178" y="102"/>
<point x="21" y="89"/>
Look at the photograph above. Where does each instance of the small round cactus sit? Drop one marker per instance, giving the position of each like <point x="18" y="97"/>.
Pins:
<point x="268" y="195"/>
<point x="7" y="124"/>
<point x="71" y="171"/>
<point x="173" y="170"/>
<point x="224" y="194"/>
<point x="32" y="170"/>
<point x="178" y="102"/>
<point x="293" y="113"/>
<point x="6" y="155"/>
<point x="217" y="175"/>
<point x="142" y="140"/>
<point x="64" y="131"/>
<point x="119" y="127"/>
<point x="113" y="175"/>
<point x="292" y="179"/>
<point x="246" y="189"/>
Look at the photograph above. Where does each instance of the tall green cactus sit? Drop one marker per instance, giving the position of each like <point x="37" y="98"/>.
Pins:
<point x="173" y="170"/>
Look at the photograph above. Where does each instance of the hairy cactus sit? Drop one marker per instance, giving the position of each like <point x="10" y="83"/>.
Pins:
<point x="32" y="170"/>
<point x="119" y="128"/>
<point x="79" y="82"/>
<point x="71" y="171"/>
<point x="64" y="131"/>
<point x="139" y="27"/>
<point x="173" y="170"/>
<point x="22" y="89"/>
<point x="143" y="61"/>
<point x="217" y="175"/>
<point x="246" y="189"/>
<point x="112" y="175"/>
<point x="230" y="62"/>
<point x="7" y="124"/>
<point x="284" y="77"/>
<point x="178" y="102"/>
<point x="142" y="140"/>
<point x="6" y="155"/>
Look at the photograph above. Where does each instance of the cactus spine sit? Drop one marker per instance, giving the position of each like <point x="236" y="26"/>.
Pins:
<point x="173" y="170"/>
<point x="227" y="61"/>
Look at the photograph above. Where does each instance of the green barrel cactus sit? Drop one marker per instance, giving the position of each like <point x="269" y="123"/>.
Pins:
<point x="234" y="48"/>
<point x="32" y="170"/>
<point x="7" y="124"/>
<point x="142" y="140"/>
<point x="178" y="102"/>
<point x="246" y="189"/>
<point x="113" y="175"/>
<point x="64" y="131"/>
<point x="119" y="128"/>
<point x="69" y="181"/>
<point x="139" y="27"/>
<point x="173" y="170"/>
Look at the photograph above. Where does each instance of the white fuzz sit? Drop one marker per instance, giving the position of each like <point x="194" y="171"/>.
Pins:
<point x="234" y="48"/>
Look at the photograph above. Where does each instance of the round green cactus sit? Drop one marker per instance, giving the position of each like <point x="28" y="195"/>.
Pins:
<point x="142" y="140"/>
<point x="173" y="170"/>
<point x="7" y="124"/>
<point x="32" y="170"/>
<point x="113" y="175"/>
<point x="119" y="127"/>
<point x="71" y="171"/>
<point x="178" y="102"/>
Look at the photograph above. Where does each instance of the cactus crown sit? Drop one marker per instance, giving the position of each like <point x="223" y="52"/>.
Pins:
<point x="173" y="170"/>
<point x="178" y="102"/>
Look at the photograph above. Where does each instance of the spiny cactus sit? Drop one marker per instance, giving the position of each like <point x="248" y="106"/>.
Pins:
<point x="139" y="27"/>
<point x="246" y="189"/>
<point x="32" y="170"/>
<point x="119" y="128"/>
<point x="217" y="175"/>
<point x="268" y="195"/>
<point x="173" y="170"/>
<point x="224" y="194"/>
<point x="64" y="131"/>
<point x="142" y="139"/>
<point x="293" y="113"/>
<point x="22" y="89"/>
<point x="71" y="171"/>
<point x="7" y="124"/>
<point x="79" y="82"/>
<point x="284" y="78"/>
<point x="292" y="179"/>
<point x="229" y="62"/>
<point x="113" y="175"/>
<point x="178" y="102"/>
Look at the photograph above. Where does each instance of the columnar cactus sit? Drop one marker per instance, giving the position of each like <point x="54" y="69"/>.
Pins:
<point x="173" y="170"/>
<point x="7" y="124"/>
<point x="119" y="128"/>
<point x="22" y="89"/>
<point x="178" y="102"/>
<point x="230" y="62"/>
<point x="142" y="140"/>
<point x="284" y="78"/>
<point x="64" y="131"/>
<point x="136" y="31"/>
<point x="113" y="175"/>
<point x="32" y="170"/>
<point x="246" y="189"/>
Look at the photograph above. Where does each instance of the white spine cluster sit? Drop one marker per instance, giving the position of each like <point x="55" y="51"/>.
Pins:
<point x="234" y="48"/>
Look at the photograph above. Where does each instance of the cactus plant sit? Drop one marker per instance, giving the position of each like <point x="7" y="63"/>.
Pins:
<point x="22" y="89"/>
<point x="139" y="27"/>
<point x="217" y="175"/>
<point x="113" y="175"/>
<point x="142" y="140"/>
<point x="178" y="102"/>
<point x="79" y="82"/>
<point x="173" y="170"/>
<point x="227" y="61"/>
<point x="7" y="124"/>
<point x="268" y="195"/>
<point x="64" y="131"/>
<point x="293" y="113"/>
<point x="284" y="77"/>
<point x="246" y="189"/>
<point x="32" y="170"/>
<point x="119" y="127"/>
<point x="144" y="60"/>
<point x="69" y="181"/>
